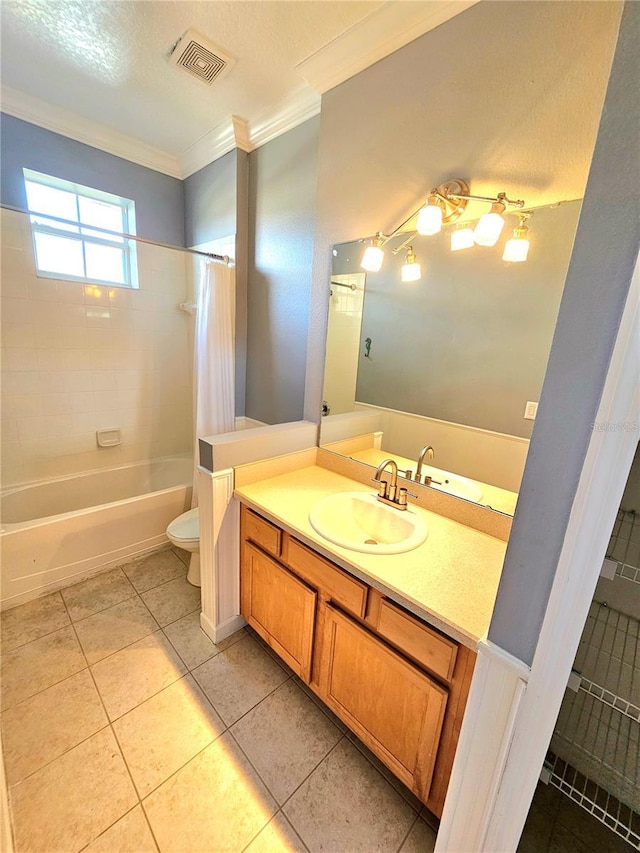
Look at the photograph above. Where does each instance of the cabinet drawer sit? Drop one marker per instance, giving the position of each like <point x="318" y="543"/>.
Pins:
<point x="263" y="533"/>
<point x="430" y="649"/>
<point x="341" y="587"/>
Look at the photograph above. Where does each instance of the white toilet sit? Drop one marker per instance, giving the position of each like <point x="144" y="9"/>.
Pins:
<point x="184" y="532"/>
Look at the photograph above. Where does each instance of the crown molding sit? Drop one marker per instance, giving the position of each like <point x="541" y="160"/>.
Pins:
<point x="232" y="133"/>
<point x="382" y="32"/>
<point x="73" y="126"/>
<point x="289" y="113"/>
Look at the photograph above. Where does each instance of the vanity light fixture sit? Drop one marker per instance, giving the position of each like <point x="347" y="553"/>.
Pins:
<point x="444" y="206"/>
<point x="411" y="268"/>
<point x="462" y="238"/>
<point x="430" y="217"/>
<point x="373" y="254"/>
<point x="517" y="248"/>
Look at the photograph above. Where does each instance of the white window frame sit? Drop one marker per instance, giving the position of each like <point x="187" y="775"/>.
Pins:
<point x="46" y="223"/>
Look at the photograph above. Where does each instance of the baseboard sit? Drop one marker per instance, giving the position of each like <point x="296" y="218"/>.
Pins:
<point x="87" y="569"/>
<point x="6" y="836"/>
<point x="218" y="633"/>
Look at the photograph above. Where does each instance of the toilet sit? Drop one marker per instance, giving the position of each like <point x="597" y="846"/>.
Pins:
<point x="184" y="532"/>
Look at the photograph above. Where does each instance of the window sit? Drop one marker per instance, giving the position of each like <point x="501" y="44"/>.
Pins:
<point x="74" y="248"/>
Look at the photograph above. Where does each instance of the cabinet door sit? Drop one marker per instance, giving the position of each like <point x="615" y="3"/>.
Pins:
<point x="280" y="608"/>
<point x="393" y="707"/>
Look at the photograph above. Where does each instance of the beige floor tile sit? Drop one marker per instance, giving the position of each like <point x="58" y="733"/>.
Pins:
<point x="97" y="593"/>
<point x="172" y="600"/>
<point x="32" y="620"/>
<point x="69" y="802"/>
<point x="158" y="568"/>
<point x="45" y="726"/>
<point x="421" y="839"/>
<point x="132" y="675"/>
<point x="185" y="556"/>
<point x="278" y="836"/>
<point x="191" y="642"/>
<point x="238" y="678"/>
<point x="112" y="629"/>
<point x="131" y="834"/>
<point x="217" y="802"/>
<point x="29" y="669"/>
<point x="165" y="732"/>
<point x="285" y="737"/>
<point x="316" y="699"/>
<point x="347" y="805"/>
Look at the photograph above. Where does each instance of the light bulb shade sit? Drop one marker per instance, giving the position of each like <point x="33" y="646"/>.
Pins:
<point x="410" y="269"/>
<point x="411" y="272"/>
<point x="490" y="226"/>
<point x="430" y="218"/>
<point x="517" y="248"/>
<point x="372" y="259"/>
<point x="463" y="238"/>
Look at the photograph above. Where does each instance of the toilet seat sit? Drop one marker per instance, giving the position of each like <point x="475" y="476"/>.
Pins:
<point x="185" y="528"/>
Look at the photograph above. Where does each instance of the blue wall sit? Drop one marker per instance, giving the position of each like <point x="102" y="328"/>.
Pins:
<point x="159" y="199"/>
<point x="282" y="197"/>
<point x="211" y="199"/>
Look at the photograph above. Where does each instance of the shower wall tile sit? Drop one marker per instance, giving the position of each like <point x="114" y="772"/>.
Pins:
<point x="81" y="357"/>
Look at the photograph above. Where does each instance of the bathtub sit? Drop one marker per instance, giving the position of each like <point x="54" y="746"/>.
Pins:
<point x="55" y="532"/>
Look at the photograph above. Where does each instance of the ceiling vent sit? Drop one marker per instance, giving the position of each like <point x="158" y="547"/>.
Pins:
<point x="200" y="57"/>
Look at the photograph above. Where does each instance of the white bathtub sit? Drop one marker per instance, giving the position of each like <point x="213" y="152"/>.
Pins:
<point x="55" y="533"/>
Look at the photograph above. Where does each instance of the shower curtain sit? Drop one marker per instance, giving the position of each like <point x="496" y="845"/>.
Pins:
<point x="214" y="355"/>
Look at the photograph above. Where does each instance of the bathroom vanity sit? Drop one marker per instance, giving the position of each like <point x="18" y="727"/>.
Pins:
<point x="387" y="642"/>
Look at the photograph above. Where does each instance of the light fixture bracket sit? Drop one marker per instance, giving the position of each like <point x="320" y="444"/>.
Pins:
<point x="454" y="196"/>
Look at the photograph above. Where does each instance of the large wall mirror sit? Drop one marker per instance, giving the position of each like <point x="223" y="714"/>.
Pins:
<point x="452" y="360"/>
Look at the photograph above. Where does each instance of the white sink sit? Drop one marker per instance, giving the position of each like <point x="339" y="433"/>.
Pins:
<point x="360" y="522"/>
<point x="452" y="484"/>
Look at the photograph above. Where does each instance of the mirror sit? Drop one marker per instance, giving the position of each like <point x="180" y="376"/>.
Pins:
<point x="452" y="360"/>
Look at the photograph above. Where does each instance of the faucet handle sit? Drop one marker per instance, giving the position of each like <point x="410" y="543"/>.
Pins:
<point x="381" y="486"/>
<point x="403" y="494"/>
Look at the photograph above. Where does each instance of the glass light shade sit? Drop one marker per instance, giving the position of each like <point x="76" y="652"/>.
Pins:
<point x="410" y="269"/>
<point x="516" y="249"/>
<point x="490" y="226"/>
<point x="411" y="272"/>
<point x="430" y="218"/>
<point x="463" y="238"/>
<point x="372" y="259"/>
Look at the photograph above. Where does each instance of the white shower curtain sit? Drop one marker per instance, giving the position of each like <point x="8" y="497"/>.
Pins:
<point x="214" y="355"/>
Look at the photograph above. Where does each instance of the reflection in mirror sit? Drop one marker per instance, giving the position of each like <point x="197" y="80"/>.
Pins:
<point x="452" y="360"/>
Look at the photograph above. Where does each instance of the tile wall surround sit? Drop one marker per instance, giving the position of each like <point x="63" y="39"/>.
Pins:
<point x="80" y="357"/>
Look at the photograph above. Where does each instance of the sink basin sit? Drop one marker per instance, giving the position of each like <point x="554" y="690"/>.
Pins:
<point x="360" y="522"/>
<point x="454" y="485"/>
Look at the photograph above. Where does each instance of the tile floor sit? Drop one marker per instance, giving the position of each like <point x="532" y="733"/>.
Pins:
<point x="126" y="730"/>
<point x="558" y="825"/>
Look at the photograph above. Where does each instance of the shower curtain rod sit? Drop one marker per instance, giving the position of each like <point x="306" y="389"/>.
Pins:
<point x="223" y="258"/>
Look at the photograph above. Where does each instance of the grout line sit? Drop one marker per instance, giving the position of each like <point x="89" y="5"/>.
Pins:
<point x="409" y="831"/>
<point x="270" y="821"/>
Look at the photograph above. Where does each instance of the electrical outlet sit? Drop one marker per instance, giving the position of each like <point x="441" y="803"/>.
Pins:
<point x="530" y="411"/>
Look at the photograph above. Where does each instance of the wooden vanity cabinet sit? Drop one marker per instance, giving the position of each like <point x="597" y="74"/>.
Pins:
<point x="400" y="685"/>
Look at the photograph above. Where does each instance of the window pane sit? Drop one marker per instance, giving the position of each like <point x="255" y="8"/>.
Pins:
<point x="43" y="199"/>
<point x="59" y="254"/>
<point x="102" y="214"/>
<point x="105" y="263"/>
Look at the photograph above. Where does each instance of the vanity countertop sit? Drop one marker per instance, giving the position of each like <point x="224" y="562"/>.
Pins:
<point x="450" y="581"/>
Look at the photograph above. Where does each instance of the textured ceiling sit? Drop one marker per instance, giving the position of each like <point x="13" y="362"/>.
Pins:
<point x="106" y="60"/>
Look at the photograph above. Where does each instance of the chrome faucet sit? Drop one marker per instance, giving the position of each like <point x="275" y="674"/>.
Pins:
<point x="388" y="491"/>
<point x="428" y="451"/>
